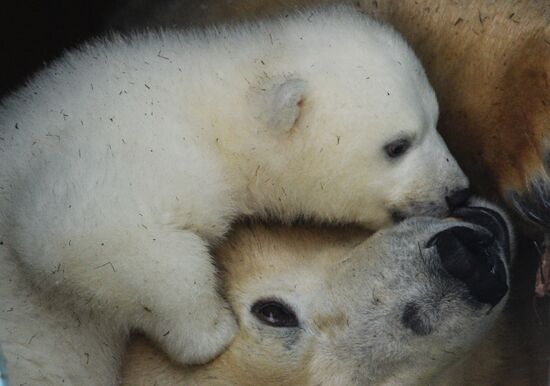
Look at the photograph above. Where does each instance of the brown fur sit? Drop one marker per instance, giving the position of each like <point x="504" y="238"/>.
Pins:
<point x="489" y="64"/>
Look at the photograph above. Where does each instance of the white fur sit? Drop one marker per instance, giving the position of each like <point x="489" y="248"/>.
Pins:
<point x="125" y="160"/>
<point x="284" y="105"/>
<point x="348" y="291"/>
<point x="47" y="343"/>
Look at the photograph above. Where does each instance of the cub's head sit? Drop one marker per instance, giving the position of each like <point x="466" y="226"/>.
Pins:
<point x="351" y="120"/>
<point x="336" y="307"/>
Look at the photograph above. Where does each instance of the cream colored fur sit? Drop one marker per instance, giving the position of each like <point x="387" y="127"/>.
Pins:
<point x="124" y="161"/>
<point x="347" y="288"/>
<point x="348" y="295"/>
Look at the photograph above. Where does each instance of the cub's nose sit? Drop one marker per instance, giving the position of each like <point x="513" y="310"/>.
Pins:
<point x="458" y="198"/>
<point x="475" y="257"/>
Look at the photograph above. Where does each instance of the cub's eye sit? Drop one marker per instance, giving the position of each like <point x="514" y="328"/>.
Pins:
<point x="274" y="313"/>
<point x="397" y="148"/>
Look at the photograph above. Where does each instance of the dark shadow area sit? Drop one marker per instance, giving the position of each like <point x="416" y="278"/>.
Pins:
<point x="527" y="351"/>
<point x="36" y="31"/>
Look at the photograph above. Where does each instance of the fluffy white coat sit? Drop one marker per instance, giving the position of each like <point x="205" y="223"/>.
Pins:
<point x="125" y="160"/>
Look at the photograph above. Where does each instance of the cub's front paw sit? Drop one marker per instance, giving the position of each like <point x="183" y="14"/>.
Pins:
<point x="201" y="335"/>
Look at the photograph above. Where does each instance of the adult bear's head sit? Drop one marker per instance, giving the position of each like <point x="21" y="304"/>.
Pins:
<point x="337" y="307"/>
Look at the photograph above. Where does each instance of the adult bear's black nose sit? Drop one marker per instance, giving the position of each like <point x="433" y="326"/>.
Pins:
<point x="473" y="256"/>
<point x="458" y="198"/>
<point x="492" y="221"/>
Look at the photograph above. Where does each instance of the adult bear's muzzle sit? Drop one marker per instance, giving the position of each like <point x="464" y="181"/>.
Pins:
<point x="472" y="254"/>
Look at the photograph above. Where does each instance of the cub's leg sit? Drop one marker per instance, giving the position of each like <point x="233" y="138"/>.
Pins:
<point x="187" y="316"/>
<point x="159" y="280"/>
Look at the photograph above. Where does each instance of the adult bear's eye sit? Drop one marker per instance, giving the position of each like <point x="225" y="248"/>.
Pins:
<point x="274" y="313"/>
<point x="397" y="148"/>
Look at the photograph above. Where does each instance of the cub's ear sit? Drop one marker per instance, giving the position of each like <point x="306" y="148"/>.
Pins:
<point x="284" y="105"/>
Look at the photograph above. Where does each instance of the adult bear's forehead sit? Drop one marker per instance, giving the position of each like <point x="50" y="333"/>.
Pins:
<point x="256" y="251"/>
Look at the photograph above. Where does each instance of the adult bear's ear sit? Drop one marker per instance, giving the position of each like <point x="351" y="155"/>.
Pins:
<point x="284" y="105"/>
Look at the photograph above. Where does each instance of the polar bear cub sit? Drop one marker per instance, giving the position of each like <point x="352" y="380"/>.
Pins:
<point x="125" y="160"/>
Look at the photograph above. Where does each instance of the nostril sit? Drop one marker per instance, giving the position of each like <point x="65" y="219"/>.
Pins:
<point x="469" y="256"/>
<point x="489" y="219"/>
<point x="455" y="245"/>
<point x="458" y="198"/>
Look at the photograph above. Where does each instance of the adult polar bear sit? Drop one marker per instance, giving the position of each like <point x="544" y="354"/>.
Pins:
<point x="326" y="307"/>
<point x="125" y="160"/>
<point x="314" y="307"/>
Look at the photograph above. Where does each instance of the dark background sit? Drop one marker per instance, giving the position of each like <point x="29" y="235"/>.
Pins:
<point x="34" y="32"/>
